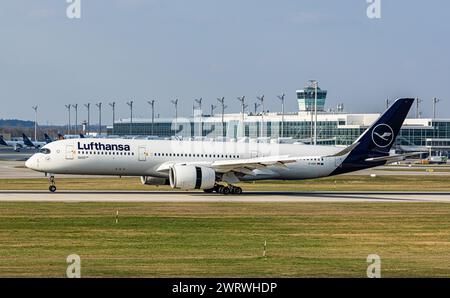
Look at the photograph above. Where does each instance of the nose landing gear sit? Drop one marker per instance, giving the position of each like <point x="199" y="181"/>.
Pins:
<point x="52" y="187"/>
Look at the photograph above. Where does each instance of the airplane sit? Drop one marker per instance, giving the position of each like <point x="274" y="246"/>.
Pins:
<point x="16" y="144"/>
<point x="47" y="138"/>
<point x="36" y="144"/>
<point x="218" y="166"/>
<point x="62" y="137"/>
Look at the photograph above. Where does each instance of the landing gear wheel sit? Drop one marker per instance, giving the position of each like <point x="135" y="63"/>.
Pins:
<point x="237" y="190"/>
<point x="52" y="187"/>
<point x="225" y="190"/>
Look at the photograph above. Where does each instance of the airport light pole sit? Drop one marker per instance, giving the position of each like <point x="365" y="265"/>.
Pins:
<point x="281" y="97"/>
<point x="213" y="107"/>
<point x="113" y="107"/>
<point x="88" y="107"/>
<point x="315" y="111"/>
<point x="311" y="126"/>
<point x="243" y="107"/>
<point x="130" y="104"/>
<point x="388" y="102"/>
<point x="261" y="99"/>
<point x="152" y="104"/>
<point x="35" y="108"/>
<point x="175" y="103"/>
<point x="256" y="106"/>
<point x="435" y="101"/>
<point x="68" y="125"/>
<point x="99" y="106"/>
<point x="221" y="100"/>
<point x="199" y="102"/>
<point x="418" y="101"/>
<point x="75" y="107"/>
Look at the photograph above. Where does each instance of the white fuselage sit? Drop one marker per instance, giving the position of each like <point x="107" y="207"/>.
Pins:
<point x="123" y="157"/>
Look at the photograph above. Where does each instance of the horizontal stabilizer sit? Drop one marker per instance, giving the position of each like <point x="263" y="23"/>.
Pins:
<point x="393" y="158"/>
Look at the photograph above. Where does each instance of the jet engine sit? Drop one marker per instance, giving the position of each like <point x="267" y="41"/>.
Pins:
<point x="189" y="177"/>
<point x="149" y="180"/>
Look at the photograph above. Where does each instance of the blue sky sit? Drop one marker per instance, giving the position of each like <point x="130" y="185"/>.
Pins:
<point x="139" y="50"/>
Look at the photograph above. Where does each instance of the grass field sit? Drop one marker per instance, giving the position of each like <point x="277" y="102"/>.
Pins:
<point x="225" y="239"/>
<point x="337" y="183"/>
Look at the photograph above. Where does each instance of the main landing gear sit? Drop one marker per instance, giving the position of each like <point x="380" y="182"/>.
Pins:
<point x="52" y="187"/>
<point x="225" y="190"/>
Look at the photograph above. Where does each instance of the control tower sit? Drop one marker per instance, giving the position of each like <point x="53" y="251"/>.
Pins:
<point x="306" y="97"/>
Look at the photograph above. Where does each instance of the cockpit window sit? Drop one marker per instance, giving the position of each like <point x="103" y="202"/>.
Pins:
<point x="45" y="151"/>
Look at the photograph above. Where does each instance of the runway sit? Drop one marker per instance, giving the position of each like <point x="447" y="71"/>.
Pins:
<point x="199" y="197"/>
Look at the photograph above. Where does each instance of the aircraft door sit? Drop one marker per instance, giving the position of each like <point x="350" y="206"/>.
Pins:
<point x="69" y="152"/>
<point x="142" y="154"/>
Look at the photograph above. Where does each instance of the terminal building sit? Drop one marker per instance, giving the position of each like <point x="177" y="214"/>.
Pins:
<point x="334" y="127"/>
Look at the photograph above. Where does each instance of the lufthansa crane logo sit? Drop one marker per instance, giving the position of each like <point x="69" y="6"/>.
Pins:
<point x="382" y="135"/>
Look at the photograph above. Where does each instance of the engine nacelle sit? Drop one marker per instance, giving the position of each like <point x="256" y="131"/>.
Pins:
<point x="189" y="177"/>
<point x="149" y="180"/>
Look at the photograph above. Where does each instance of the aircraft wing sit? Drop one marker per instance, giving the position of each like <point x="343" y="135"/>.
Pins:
<point x="243" y="166"/>
<point x="393" y="158"/>
<point x="246" y="166"/>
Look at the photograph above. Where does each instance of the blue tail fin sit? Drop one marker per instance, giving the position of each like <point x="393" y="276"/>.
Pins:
<point x="27" y="141"/>
<point x="2" y="141"/>
<point x="47" y="138"/>
<point x="378" y="139"/>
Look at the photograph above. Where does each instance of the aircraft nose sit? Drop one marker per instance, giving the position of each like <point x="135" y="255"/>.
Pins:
<point x="31" y="162"/>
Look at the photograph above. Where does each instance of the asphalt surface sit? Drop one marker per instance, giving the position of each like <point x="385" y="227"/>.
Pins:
<point x="7" y="153"/>
<point x="192" y="197"/>
<point x="10" y="169"/>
